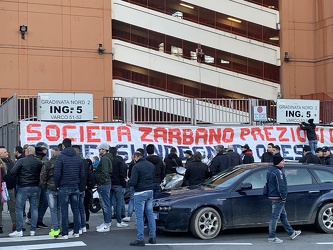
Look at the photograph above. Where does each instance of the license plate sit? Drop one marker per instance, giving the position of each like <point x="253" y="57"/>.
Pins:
<point x="155" y="216"/>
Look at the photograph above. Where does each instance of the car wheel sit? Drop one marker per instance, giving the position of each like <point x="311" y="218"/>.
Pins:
<point x="205" y="223"/>
<point x="325" y="218"/>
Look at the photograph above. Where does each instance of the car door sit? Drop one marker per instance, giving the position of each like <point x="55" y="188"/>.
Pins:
<point x="250" y="208"/>
<point x="303" y="192"/>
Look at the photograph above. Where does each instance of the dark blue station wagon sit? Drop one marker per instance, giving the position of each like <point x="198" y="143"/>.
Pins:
<point x="233" y="199"/>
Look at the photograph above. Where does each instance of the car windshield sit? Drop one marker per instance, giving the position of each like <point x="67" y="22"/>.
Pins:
<point x="226" y="178"/>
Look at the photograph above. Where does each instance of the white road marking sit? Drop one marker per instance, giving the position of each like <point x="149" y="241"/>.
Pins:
<point x="324" y="243"/>
<point x="25" y="238"/>
<point x="201" y="244"/>
<point x="45" y="246"/>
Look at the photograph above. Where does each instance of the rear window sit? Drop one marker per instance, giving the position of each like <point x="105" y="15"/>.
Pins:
<point x="324" y="176"/>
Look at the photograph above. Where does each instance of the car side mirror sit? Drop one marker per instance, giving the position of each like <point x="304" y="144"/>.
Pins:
<point x="246" y="186"/>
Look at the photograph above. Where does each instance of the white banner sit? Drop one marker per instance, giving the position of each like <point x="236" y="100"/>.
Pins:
<point x="127" y="138"/>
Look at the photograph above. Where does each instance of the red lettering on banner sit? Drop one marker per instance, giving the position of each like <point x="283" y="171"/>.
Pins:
<point x="64" y="130"/>
<point x="91" y="134"/>
<point x="299" y="136"/>
<point x="268" y="134"/>
<point x="255" y="132"/>
<point x="108" y="130"/>
<point x="187" y="136"/>
<point x="330" y="132"/>
<point x="244" y="132"/>
<point x="228" y="135"/>
<point x="292" y="134"/>
<point x="283" y="131"/>
<point x="214" y="136"/>
<point x="201" y="134"/>
<point x="52" y="137"/>
<point x="321" y="136"/>
<point x="37" y="134"/>
<point x="160" y="133"/>
<point x="174" y="133"/>
<point x="81" y="132"/>
<point x="146" y="131"/>
<point x="124" y="131"/>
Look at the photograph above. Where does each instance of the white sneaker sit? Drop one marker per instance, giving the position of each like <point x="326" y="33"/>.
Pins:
<point x="122" y="224"/>
<point x="72" y="232"/>
<point x="83" y="230"/>
<point x="127" y="219"/>
<point x="105" y="228"/>
<point x="295" y="234"/>
<point x="16" y="234"/>
<point x="100" y="226"/>
<point x="275" y="240"/>
<point x="62" y="237"/>
<point x="32" y="233"/>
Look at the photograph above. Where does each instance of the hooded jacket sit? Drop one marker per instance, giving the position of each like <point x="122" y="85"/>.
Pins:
<point x="248" y="156"/>
<point x="310" y="130"/>
<point x="68" y="169"/>
<point x="159" y="172"/>
<point x="47" y="175"/>
<point x="103" y="171"/>
<point x="172" y="161"/>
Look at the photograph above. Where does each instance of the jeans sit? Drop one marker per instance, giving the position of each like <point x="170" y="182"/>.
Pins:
<point x="52" y="199"/>
<point x="42" y="206"/>
<point x="131" y="203"/>
<point x="278" y="211"/>
<point x="104" y="196"/>
<point x="69" y="195"/>
<point x="11" y="207"/>
<point x="157" y="190"/>
<point x="144" y="204"/>
<point x="23" y="194"/>
<point x="313" y="145"/>
<point x="117" y="193"/>
<point x="123" y="209"/>
<point x="82" y="210"/>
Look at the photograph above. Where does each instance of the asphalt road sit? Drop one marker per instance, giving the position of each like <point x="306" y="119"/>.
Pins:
<point x="119" y="238"/>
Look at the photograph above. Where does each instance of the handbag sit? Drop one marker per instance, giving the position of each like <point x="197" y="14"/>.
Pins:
<point x="4" y="193"/>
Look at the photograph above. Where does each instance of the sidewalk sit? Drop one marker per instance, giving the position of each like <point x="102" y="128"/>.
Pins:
<point x="95" y="220"/>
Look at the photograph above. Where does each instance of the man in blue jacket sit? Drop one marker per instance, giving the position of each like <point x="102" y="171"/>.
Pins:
<point x="68" y="170"/>
<point x="277" y="193"/>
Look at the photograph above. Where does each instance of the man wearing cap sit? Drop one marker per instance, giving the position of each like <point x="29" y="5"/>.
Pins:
<point x="320" y="155"/>
<point x="310" y="129"/>
<point x="308" y="157"/>
<point x="221" y="161"/>
<point x="328" y="158"/>
<point x="247" y="154"/>
<point x="103" y="179"/>
<point x="277" y="193"/>
<point x="189" y="157"/>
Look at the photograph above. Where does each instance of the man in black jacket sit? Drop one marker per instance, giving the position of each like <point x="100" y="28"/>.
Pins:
<point x="308" y="157"/>
<point x="268" y="155"/>
<point x="247" y="154"/>
<point x="235" y="157"/>
<point x="142" y="179"/>
<point x="11" y="184"/>
<point x="118" y="182"/>
<point x="221" y="161"/>
<point x="172" y="161"/>
<point x="68" y="171"/>
<point x="310" y="129"/>
<point x="159" y="171"/>
<point x="27" y="170"/>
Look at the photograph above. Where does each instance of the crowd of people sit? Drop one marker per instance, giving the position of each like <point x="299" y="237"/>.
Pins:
<point x="67" y="178"/>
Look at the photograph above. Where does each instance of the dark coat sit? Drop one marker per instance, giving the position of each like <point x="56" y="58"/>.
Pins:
<point x="68" y="169"/>
<point x="196" y="173"/>
<point x="103" y="171"/>
<point x="235" y="158"/>
<point x="220" y="162"/>
<point x="310" y="130"/>
<point x="267" y="157"/>
<point x="159" y="167"/>
<point x="142" y="178"/>
<point x="172" y="161"/>
<point x="277" y="183"/>
<point x="310" y="158"/>
<point x="118" y="171"/>
<point x="9" y="178"/>
<point x="248" y="156"/>
<point x="47" y="175"/>
<point x="329" y="160"/>
<point x="27" y="170"/>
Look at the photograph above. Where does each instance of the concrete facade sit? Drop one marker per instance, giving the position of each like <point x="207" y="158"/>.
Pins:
<point x="306" y="34"/>
<point x="60" y="49"/>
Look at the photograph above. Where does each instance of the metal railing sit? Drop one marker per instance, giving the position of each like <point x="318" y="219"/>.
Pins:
<point x="192" y="111"/>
